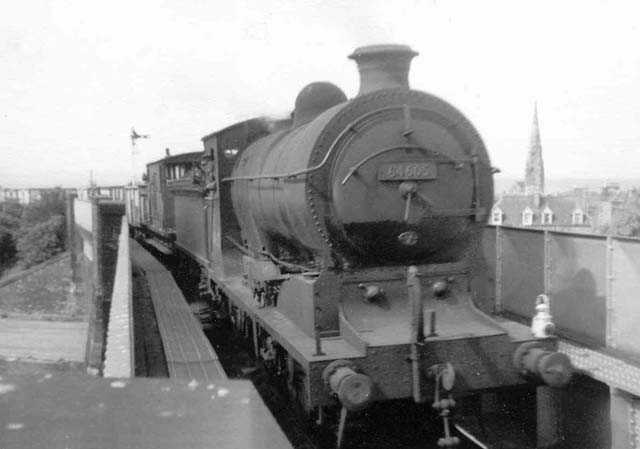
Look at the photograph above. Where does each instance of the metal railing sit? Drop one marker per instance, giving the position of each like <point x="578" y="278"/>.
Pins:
<point x="593" y="282"/>
<point x="119" y="354"/>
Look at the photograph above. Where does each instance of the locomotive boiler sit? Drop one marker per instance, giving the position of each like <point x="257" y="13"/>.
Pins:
<point x="342" y="243"/>
<point x="392" y="176"/>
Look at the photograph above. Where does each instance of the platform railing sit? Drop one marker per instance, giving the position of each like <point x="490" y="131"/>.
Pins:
<point x="119" y="354"/>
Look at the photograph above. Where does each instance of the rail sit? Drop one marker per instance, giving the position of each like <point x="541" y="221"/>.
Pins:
<point x="119" y="355"/>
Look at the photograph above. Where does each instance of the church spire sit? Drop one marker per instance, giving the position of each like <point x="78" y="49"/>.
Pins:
<point x="534" y="175"/>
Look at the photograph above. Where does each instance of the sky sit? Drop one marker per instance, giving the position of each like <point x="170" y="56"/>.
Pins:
<point x="77" y="75"/>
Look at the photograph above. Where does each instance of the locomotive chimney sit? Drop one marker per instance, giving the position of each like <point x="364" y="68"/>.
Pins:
<point x="383" y="66"/>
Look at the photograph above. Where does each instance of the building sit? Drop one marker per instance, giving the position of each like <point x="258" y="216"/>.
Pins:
<point x="9" y="195"/>
<point x="21" y="196"/>
<point x="554" y="211"/>
<point x="27" y="196"/>
<point x="534" y="170"/>
<point x="528" y="205"/>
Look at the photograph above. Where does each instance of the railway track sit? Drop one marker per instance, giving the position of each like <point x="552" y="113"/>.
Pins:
<point x="400" y="424"/>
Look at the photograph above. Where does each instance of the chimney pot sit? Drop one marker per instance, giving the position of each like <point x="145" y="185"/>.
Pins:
<point x="383" y="66"/>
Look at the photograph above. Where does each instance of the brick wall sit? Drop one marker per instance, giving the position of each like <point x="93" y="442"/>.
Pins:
<point x="94" y="255"/>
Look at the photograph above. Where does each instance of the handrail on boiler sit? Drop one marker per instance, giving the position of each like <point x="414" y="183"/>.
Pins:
<point x="349" y="128"/>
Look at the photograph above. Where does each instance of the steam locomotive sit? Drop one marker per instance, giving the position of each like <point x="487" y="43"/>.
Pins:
<point x="339" y="242"/>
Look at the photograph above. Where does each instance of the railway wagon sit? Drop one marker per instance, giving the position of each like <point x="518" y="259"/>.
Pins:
<point x="161" y="176"/>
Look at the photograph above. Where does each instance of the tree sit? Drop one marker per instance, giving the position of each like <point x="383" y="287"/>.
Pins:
<point x="51" y="203"/>
<point x="628" y="225"/>
<point x="627" y="220"/>
<point x="7" y="247"/>
<point x="12" y="209"/>
<point x="9" y="222"/>
<point x="9" y="226"/>
<point x="41" y="241"/>
<point x="34" y="232"/>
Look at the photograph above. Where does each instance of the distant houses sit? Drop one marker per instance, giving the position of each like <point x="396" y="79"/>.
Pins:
<point x="33" y="195"/>
<point x="106" y="193"/>
<point x="566" y="211"/>
<point x="579" y="210"/>
<point x="20" y="196"/>
<point x="26" y="196"/>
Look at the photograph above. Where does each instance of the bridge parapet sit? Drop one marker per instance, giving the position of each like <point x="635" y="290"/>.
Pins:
<point x="594" y="285"/>
<point x="119" y="355"/>
<point x="592" y="281"/>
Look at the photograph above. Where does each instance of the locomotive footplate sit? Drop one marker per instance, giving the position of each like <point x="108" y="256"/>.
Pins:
<point x="480" y="348"/>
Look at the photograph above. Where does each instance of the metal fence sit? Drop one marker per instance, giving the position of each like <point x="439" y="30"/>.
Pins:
<point x="593" y="282"/>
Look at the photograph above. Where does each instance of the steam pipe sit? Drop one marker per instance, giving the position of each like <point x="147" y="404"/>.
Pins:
<point x="417" y="329"/>
<point x="415" y="299"/>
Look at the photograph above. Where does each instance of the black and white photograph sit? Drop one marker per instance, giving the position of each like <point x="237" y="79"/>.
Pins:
<point x="319" y="224"/>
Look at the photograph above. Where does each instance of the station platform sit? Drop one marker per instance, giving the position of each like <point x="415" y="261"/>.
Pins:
<point x="187" y="350"/>
<point x="57" y="411"/>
